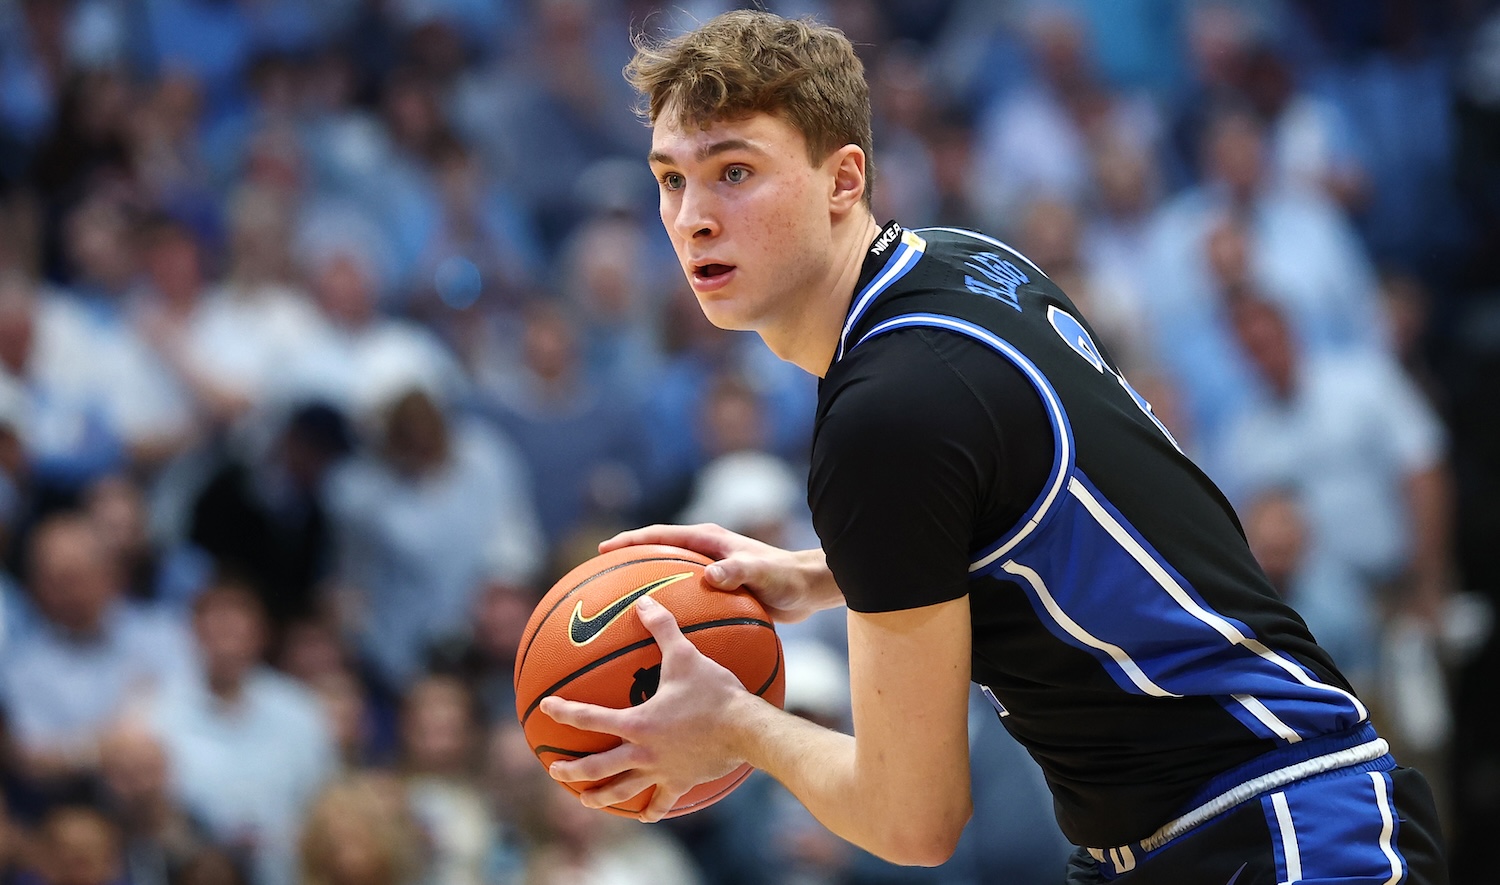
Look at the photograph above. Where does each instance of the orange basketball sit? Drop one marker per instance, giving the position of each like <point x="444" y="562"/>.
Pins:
<point x="585" y="643"/>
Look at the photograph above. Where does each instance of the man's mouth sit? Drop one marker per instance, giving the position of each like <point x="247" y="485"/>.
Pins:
<point x="709" y="271"/>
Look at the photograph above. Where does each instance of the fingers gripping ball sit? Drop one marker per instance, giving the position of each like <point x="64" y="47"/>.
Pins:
<point x="584" y="642"/>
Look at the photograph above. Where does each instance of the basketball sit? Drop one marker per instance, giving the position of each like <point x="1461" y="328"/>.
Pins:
<point x="585" y="643"/>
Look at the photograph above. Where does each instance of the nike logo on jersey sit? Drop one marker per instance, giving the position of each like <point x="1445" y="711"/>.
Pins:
<point x="583" y="630"/>
<point x="1236" y="877"/>
<point x="886" y="238"/>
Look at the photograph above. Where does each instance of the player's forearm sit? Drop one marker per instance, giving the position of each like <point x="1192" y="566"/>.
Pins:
<point x="858" y="797"/>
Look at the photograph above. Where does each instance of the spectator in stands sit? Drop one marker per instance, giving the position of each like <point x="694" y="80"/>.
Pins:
<point x="583" y="845"/>
<point x="1294" y="247"/>
<point x="252" y="323"/>
<point x="162" y="310"/>
<point x="145" y="407"/>
<point x="352" y="719"/>
<point x="1036" y="142"/>
<point x="263" y="514"/>
<point x="248" y="747"/>
<point x="359" y="832"/>
<point x="418" y="519"/>
<point x="12" y="849"/>
<point x="1360" y="443"/>
<point x="166" y="148"/>
<point x="1342" y="611"/>
<point x="93" y="656"/>
<point x="581" y="441"/>
<point x="486" y="659"/>
<point x="170" y="575"/>
<point x="514" y="784"/>
<point x="92" y="398"/>
<point x="1050" y="233"/>
<point x="161" y="839"/>
<point x="699" y="356"/>
<point x="610" y="283"/>
<point x="439" y="760"/>
<point x="1112" y="242"/>
<point x="358" y="358"/>
<point x="78" y="845"/>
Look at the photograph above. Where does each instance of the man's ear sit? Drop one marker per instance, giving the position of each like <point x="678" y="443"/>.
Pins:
<point x="848" y="177"/>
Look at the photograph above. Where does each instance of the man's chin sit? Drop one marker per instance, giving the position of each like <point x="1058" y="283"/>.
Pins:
<point x="722" y="315"/>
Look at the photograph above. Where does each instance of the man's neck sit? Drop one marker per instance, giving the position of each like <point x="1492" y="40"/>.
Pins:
<point x="228" y="689"/>
<point x="810" y="343"/>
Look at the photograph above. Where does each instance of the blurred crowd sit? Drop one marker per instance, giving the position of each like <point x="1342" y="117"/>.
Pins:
<point x="332" y="333"/>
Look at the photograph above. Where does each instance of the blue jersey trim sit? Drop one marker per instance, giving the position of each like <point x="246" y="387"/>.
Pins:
<point x="1062" y="432"/>
<point x="1249" y="709"/>
<point x="906" y="256"/>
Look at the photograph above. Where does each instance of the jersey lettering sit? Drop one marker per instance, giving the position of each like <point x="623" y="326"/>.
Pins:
<point x="1078" y="338"/>
<point x="1002" y="278"/>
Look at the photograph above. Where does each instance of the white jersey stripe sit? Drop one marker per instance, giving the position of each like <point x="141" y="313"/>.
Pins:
<point x="1387" y="826"/>
<point x="908" y="252"/>
<point x="1289" y="849"/>
<point x="1181" y="597"/>
<point x="1117" y="654"/>
<point x="1270" y="720"/>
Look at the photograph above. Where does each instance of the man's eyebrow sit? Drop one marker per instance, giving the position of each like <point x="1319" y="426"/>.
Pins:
<point x="708" y="150"/>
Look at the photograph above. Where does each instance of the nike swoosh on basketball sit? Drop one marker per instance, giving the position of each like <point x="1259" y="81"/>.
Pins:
<point x="583" y="630"/>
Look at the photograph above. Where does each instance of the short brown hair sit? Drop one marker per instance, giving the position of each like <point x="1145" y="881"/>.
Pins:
<point x="748" y="61"/>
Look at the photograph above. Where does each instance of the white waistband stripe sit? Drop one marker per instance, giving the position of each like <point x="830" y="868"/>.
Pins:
<point x="1357" y="755"/>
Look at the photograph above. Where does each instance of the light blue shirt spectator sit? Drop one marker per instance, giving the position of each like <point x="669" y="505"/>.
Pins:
<point x="1354" y="427"/>
<point x="60" y="690"/>
<point x="1303" y="255"/>
<point x="249" y="768"/>
<point x="414" y="549"/>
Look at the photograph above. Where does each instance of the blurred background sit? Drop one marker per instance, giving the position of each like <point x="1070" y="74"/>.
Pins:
<point x="332" y="332"/>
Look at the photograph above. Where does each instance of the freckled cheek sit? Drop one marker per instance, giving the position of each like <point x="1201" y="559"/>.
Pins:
<point x="779" y="222"/>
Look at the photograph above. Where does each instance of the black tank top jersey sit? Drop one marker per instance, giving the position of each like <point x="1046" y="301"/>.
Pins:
<point x="973" y="437"/>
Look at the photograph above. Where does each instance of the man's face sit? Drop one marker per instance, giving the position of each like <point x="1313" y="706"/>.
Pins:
<point x="748" y="215"/>
<point x="72" y="578"/>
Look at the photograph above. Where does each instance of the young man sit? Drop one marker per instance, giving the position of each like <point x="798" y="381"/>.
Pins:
<point x="995" y="503"/>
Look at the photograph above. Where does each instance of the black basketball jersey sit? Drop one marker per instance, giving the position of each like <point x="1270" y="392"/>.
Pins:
<point x="972" y="423"/>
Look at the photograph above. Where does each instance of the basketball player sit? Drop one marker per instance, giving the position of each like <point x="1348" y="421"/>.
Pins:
<point x="995" y="503"/>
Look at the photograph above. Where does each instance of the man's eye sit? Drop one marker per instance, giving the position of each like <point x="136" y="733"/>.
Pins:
<point x="736" y="174"/>
<point x="671" y="181"/>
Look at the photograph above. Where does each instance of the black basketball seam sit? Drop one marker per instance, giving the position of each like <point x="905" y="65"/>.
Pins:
<point x="774" y="671"/>
<point x="636" y="646"/>
<point x="561" y="751"/>
<point x="584" y="583"/>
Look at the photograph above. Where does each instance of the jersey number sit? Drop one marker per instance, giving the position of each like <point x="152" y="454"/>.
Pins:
<point x="1078" y="338"/>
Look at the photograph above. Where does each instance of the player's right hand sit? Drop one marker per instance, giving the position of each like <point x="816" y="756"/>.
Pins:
<point x="791" y="584"/>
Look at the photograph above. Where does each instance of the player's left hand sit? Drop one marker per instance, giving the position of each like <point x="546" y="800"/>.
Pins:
<point x="684" y="735"/>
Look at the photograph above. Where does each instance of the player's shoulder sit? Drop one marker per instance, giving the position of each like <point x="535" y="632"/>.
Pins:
<point x="963" y="239"/>
<point x="900" y="390"/>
